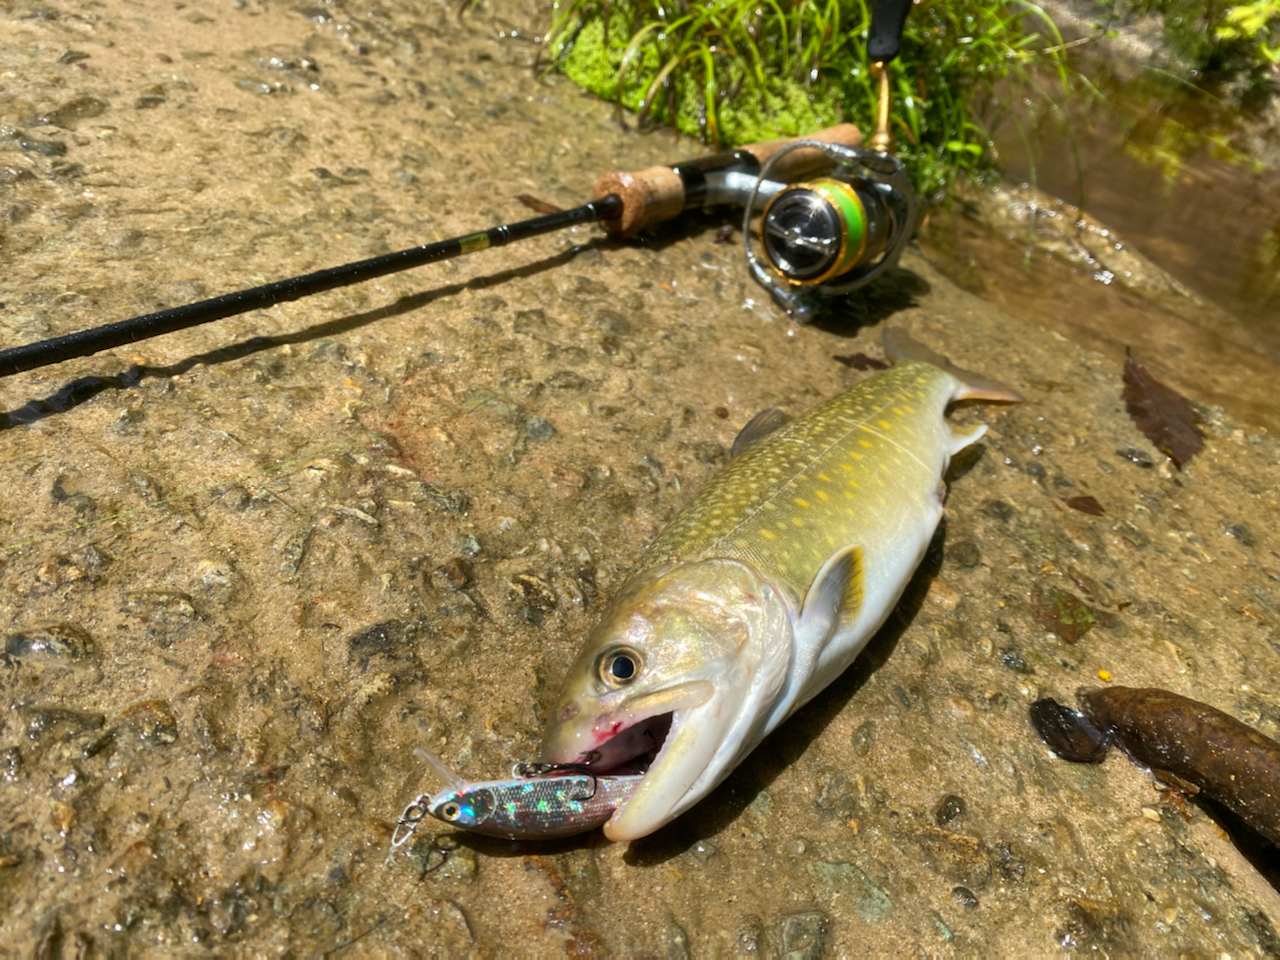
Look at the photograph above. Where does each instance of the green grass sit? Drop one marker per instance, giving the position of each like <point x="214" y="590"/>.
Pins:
<point x="1234" y="48"/>
<point x="733" y="71"/>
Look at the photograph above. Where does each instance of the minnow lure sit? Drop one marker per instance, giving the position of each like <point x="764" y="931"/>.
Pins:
<point x="1183" y="741"/>
<point x="539" y="802"/>
<point x="765" y="587"/>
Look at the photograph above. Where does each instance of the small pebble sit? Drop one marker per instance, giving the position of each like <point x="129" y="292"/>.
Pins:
<point x="950" y="809"/>
<point x="943" y="595"/>
<point x="965" y="897"/>
<point x="53" y="641"/>
<point x="62" y="816"/>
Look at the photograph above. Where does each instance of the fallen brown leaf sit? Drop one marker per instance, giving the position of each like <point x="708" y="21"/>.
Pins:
<point x="536" y="205"/>
<point x="1164" y="416"/>
<point x="1087" y="505"/>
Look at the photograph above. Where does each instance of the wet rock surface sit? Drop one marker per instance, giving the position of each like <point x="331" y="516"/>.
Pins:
<point x="242" y="578"/>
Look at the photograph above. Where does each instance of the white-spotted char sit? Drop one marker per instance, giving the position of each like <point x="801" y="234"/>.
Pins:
<point x="765" y="587"/>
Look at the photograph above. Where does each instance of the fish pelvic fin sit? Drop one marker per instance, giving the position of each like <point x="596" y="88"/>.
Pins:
<point x="899" y="346"/>
<point x="757" y="428"/>
<point x="834" y="599"/>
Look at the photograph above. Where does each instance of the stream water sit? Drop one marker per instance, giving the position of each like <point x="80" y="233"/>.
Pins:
<point x="1192" y="185"/>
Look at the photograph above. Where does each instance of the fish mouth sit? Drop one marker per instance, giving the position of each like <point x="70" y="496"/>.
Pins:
<point x="629" y="738"/>
<point x="638" y="730"/>
<point x="633" y="749"/>
<point x="656" y="736"/>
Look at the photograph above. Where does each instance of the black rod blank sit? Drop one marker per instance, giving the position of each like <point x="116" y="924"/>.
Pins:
<point x="95" y="340"/>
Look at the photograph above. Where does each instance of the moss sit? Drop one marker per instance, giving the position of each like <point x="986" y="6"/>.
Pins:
<point x="779" y="108"/>
<point x="736" y="71"/>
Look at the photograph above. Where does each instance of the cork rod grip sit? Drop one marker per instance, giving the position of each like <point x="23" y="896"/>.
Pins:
<point x="656" y="194"/>
<point x="807" y="162"/>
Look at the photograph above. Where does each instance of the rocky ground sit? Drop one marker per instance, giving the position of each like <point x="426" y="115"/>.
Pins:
<point x="242" y="578"/>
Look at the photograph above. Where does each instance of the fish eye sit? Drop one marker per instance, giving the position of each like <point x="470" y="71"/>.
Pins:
<point x="451" y="811"/>
<point x="619" y="667"/>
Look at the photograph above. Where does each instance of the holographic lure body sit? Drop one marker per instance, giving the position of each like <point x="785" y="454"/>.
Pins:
<point x="538" y="802"/>
<point x="536" y="808"/>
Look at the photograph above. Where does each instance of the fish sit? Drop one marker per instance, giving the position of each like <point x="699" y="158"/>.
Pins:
<point x="538" y="802"/>
<point x="765" y="587"/>
<point x="1184" y="742"/>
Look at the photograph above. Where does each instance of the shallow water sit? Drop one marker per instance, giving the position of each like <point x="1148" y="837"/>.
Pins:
<point x="242" y="582"/>
<point x="1179" y="178"/>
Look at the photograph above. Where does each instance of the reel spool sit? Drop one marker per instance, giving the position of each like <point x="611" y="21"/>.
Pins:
<point x="827" y="237"/>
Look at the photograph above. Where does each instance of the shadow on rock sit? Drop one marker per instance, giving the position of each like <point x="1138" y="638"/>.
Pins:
<point x="895" y="290"/>
<point x="84" y="389"/>
<point x="792" y="739"/>
<point x="498" y="847"/>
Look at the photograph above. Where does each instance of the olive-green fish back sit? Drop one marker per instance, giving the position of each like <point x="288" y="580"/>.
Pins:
<point x="806" y="490"/>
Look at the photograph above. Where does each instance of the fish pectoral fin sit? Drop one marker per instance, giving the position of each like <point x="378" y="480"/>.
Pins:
<point x="757" y="428"/>
<point x="834" y="598"/>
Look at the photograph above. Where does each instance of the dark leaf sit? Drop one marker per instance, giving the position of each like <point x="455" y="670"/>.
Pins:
<point x="1163" y="415"/>
<point x="536" y="205"/>
<point x="860" y="361"/>
<point x="1087" y="505"/>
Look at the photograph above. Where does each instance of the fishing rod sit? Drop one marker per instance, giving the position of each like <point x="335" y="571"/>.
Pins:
<point x="624" y="203"/>
<point x="820" y="238"/>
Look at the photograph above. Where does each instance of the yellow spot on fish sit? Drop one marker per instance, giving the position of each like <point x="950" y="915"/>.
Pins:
<point x="885" y="424"/>
<point x="898" y="411"/>
<point x="797" y="522"/>
<point x="802" y="503"/>
<point x="823" y="476"/>
<point x="768" y="534"/>
<point x="864" y="443"/>
<point x="847" y="467"/>
<point x="820" y="495"/>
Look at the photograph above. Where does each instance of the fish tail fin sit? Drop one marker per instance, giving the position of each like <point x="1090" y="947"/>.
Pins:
<point x="972" y="386"/>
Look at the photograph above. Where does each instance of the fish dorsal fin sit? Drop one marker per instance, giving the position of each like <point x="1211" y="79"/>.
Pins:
<point x="973" y="386"/>
<point x="757" y="428"/>
<point x="834" y="599"/>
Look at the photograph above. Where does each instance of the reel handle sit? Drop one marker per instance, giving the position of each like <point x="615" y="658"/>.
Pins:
<point x="657" y="194"/>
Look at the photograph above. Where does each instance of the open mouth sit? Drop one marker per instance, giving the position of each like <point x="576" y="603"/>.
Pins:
<point x="633" y="749"/>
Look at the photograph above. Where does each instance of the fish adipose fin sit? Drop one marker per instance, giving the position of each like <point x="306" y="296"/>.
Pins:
<point x="757" y="428"/>
<point x="834" y="599"/>
<point x="973" y="386"/>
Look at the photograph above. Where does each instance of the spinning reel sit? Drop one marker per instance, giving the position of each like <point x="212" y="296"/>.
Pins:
<point x="829" y="236"/>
